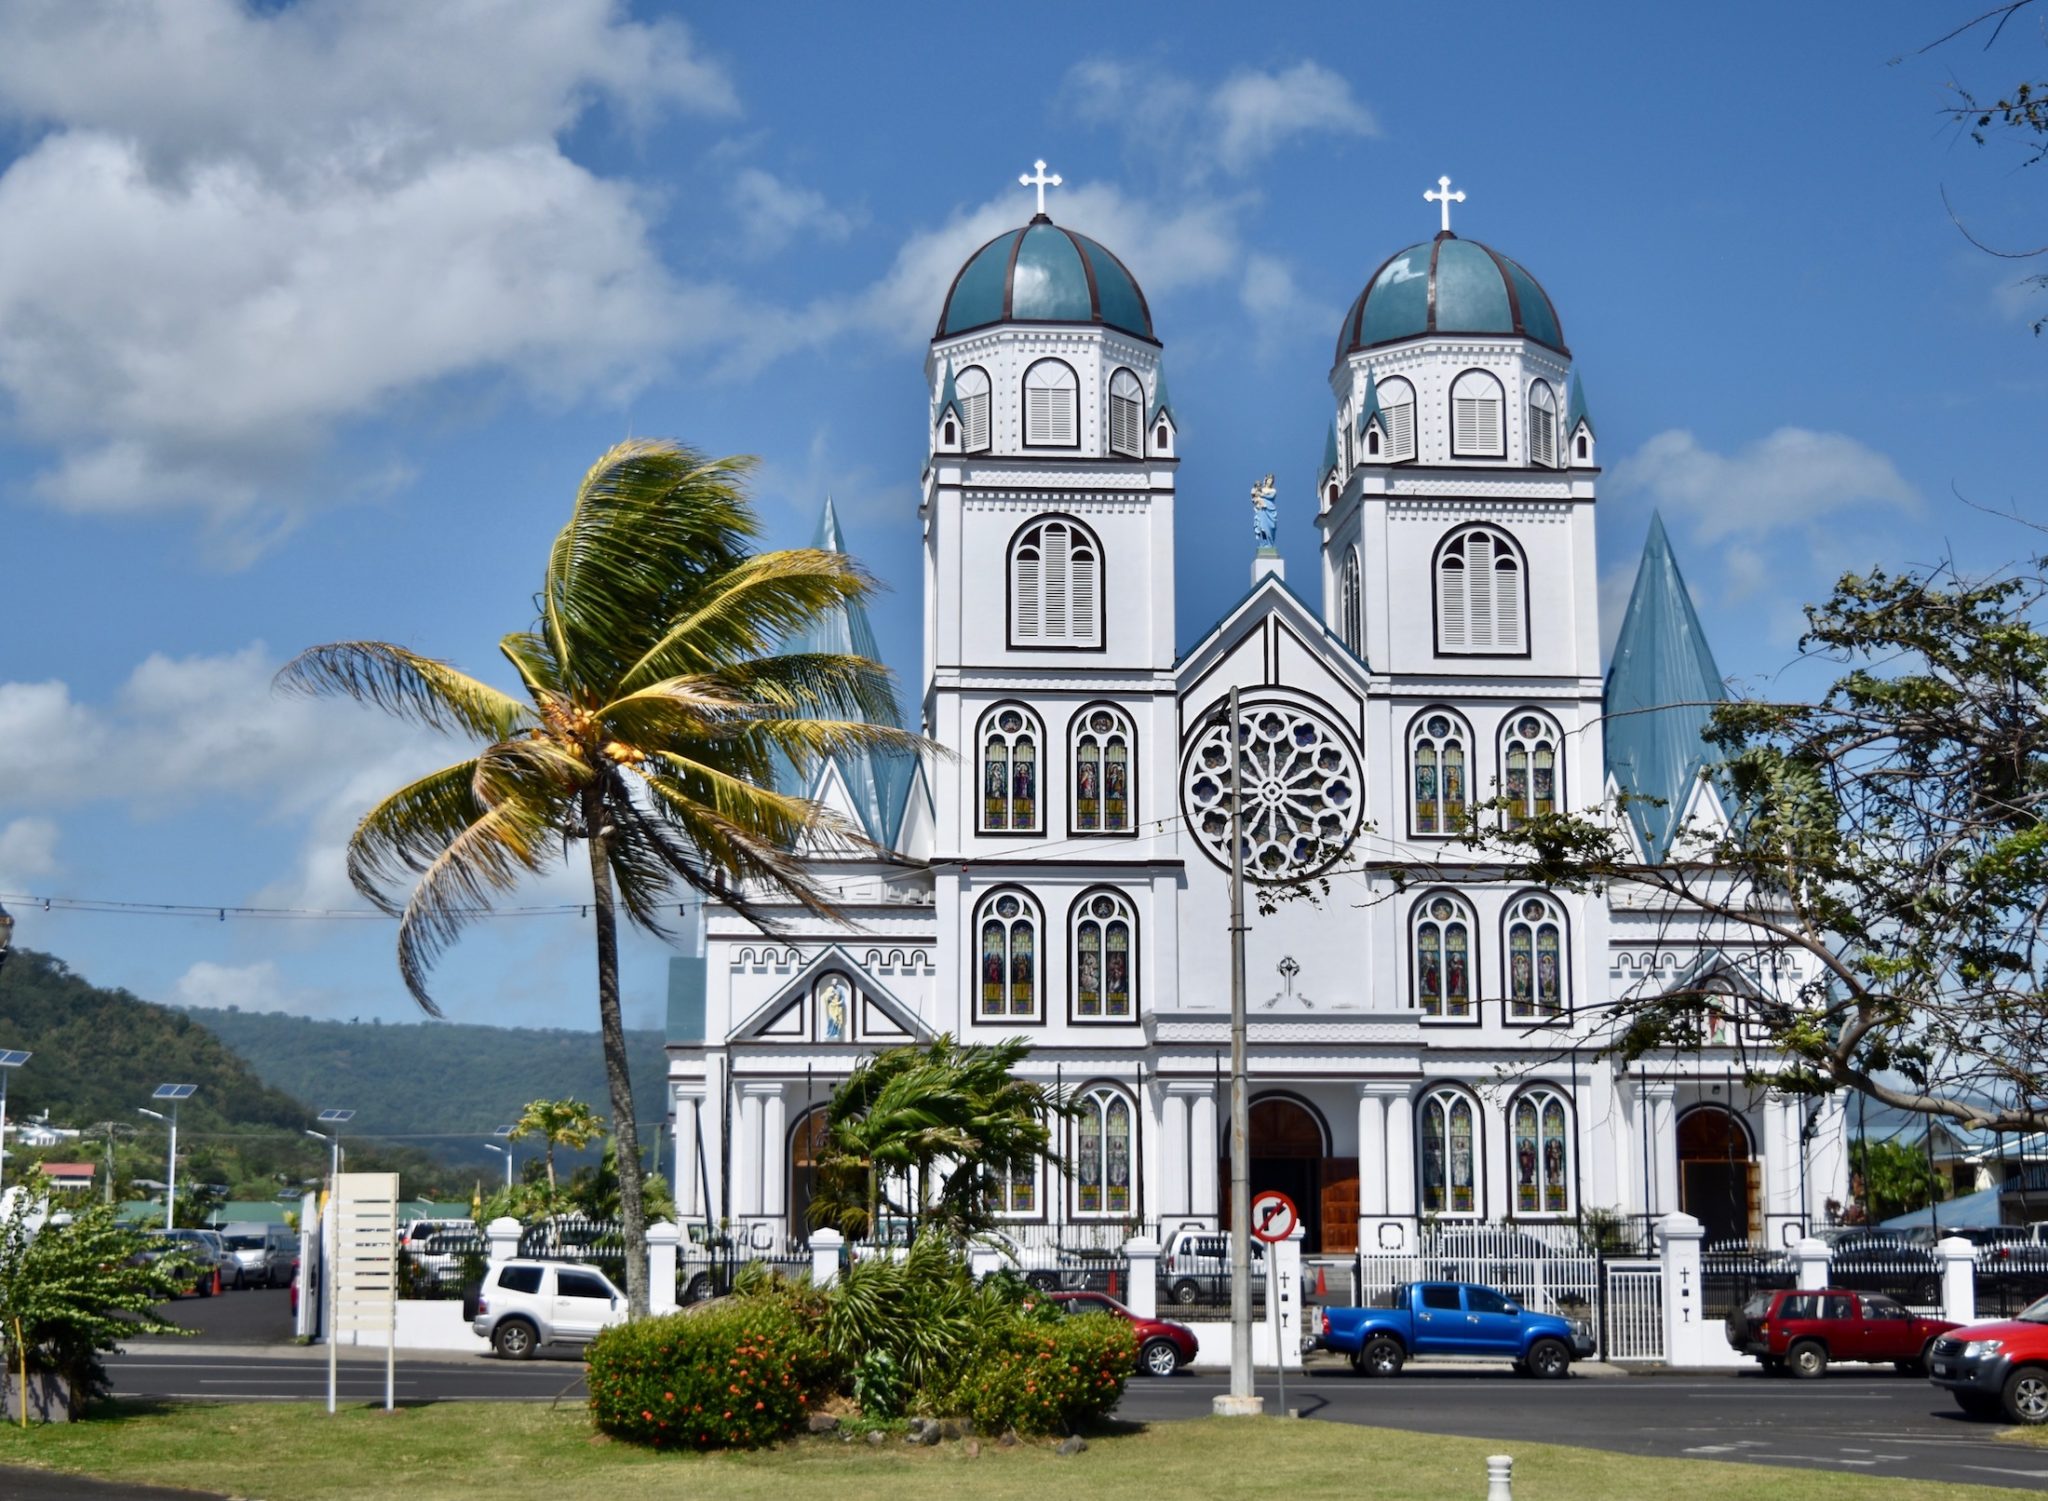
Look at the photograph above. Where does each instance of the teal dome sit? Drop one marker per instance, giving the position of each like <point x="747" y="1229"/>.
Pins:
<point x="1449" y="286"/>
<point x="1044" y="274"/>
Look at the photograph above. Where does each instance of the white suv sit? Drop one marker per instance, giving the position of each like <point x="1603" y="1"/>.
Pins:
<point x="527" y="1304"/>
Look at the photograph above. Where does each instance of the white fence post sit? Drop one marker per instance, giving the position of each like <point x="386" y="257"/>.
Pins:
<point x="503" y="1235"/>
<point x="1678" y="1244"/>
<point x="1958" y="1279"/>
<point x="1810" y="1258"/>
<point x="662" y="1240"/>
<point x="1142" y="1297"/>
<point x="1284" y="1258"/>
<point x="825" y="1244"/>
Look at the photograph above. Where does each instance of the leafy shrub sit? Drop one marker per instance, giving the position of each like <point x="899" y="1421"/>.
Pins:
<point x="1041" y="1375"/>
<point x="878" y="1385"/>
<point x="926" y="1313"/>
<point x="737" y="1376"/>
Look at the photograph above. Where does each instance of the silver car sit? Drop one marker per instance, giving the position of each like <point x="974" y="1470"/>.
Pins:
<point x="259" y="1254"/>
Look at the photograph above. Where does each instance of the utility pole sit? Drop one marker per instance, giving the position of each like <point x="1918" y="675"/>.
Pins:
<point x="1241" y="1400"/>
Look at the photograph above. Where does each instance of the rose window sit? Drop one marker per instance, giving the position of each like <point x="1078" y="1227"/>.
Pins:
<point x="1301" y="792"/>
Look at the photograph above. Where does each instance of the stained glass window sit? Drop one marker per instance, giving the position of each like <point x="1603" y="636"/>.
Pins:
<point x="1529" y="752"/>
<point x="1301" y="785"/>
<point x="1010" y="738"/>
<point x="1103" y="1154"/>
<point x="1009" y="957"/>
<point x="1542" y="1154"/>
<point x="1436" y="752"/>
<point x="1104" y="985"/>
<point x="1102" y="772"/>
<point x="1450" y="1159"/>
<point x="1443" y="956"/>
<point x="1535" y="935"/>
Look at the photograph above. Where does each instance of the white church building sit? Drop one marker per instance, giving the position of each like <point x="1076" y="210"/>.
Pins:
<point x="1425" y="1038"/>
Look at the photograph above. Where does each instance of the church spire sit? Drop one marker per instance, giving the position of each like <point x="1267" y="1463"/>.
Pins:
<point x="1660" y="694"/>
<point x="1578" y="411"/>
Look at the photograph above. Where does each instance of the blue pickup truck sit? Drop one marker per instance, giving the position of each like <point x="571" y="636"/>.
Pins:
<point x="1452" y="1318"/>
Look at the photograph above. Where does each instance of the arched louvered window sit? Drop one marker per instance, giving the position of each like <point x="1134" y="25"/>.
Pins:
<point x="1011" y="740"/>
<point x="1480" y="594"/>
<point x="1540" y="1125"/>
<point x="1052" y="405"/>
<point x="1444" y="959"/>
<point x="1007" y="931"/>
<point x="1103" y="762"/>
<point x="1529" y="770"/>
<point x="1055" y="585"/>
<point x="1542" y="425"/>
<point x="1439" y="760"/>
<point x="1448" y="1136"/>
<point x="1126" y="415"/>
<point x="1536" y="957"/>
<point x="1104" y="937"/>
<point x="1397" y="415"/>
<point x="972" y="388"/>
<point x="1350" y="613"/>
<point x="1476" y="425"/>
<point x="1102" y="1152"/>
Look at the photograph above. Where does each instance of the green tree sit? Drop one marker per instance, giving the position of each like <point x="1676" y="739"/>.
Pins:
<point x="1886" y="846"/>
<point x="1894" y="1177"/>
<point x="559" y="1123"/>
<point x="927" y="1132"/>
<point x="656" y="705"/>
<point x="69" y="1293"/>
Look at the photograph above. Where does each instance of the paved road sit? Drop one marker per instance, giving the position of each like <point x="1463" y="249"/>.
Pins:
<point x="162" y="1370"/>
<point x="1872" y="1424"/>
<point x="259" y="1316"/>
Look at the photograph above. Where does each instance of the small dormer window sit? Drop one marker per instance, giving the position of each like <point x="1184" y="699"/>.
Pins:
<point x="1372" y="444"/>
<point x="1397" y="417"/>
<point x="972" y="387"/>
<point x="1160" y="439"/>
<point x="1476" y="428"/>
<point x="1126" y="414"/>
<point x="948" y="439"/>
<point x="1583" y="448"/>
<point x="1542" y="425"/>
<point x="1052" y="405"/>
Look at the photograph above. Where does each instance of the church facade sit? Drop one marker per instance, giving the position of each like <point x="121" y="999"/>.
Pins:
<point x="1424" y="1042"/>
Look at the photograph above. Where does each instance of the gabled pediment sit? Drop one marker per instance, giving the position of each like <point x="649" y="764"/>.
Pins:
<point x="833" y="999"/>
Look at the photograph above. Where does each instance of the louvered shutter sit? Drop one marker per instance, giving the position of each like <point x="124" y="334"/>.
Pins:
<point x="1056" y="572"/>
<point x="1029" y="588"/>
<point x="1507" y="604"/>
<point x="1475" y="415"/>
<point x="1465" y="433"/>
<point x="975" y="416"/>
<point x="1050" y="404"/>
<point x="1479" y="598"/>
<point x="1082" y="569"/>
<point x="1401" y="431"/>
<point x="1450" y="598"/>
<point x="1126" y="413"/>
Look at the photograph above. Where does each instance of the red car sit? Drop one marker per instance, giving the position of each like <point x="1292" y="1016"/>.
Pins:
<point x="1163" y="1346"/>
<point x="1997" y="1367"/>
<point x="1802" y="1329"/>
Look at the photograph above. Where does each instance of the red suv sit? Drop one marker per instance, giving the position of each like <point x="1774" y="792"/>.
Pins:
<point x="1801" y="1329"/>
<point x="1997" y="1367"/>
<point x="1163" y="1346"/>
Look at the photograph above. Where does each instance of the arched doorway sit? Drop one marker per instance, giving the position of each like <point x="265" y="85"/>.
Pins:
<point x="1717" y="1180"/>
<point x="1289" y="1150"/>
<point x="806" y="1141"/>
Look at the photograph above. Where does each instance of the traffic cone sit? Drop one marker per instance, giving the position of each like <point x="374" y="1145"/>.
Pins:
<point x="1322" y="1284"/>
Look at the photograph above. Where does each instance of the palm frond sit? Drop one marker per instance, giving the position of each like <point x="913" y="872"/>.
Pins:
<point x="832" y="683"/>
<point x="407" y="684"/>
<point x="514" y="838"/>
<point x="531" y="767"/>
<point x="530" y="657"/>
<point x="407" y="831"/>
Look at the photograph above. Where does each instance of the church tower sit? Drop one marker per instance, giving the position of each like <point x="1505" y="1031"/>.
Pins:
<point x="1048" y="514"/>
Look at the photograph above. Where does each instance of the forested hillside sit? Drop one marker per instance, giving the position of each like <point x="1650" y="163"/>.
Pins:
<point x="99" y="1054"/>
<point x="439" y="1085"/>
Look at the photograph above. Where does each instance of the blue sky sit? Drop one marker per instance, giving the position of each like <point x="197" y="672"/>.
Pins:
<point x="312" y="314"/>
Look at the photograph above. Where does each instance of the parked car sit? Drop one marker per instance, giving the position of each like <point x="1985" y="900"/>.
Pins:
<point x="200" y="1249"/>
<point x="1897" y="1262"/>
<point x="1452" y="1318"/>
<point x="1163" y="1346"/>
<point x="259" y="1254"/>
<point x="526" y="1304"/>
<point x="1997" y="1367"/>
<point x="1039" y="1266"/>
<point x="1803" y="1330"/>
<point x="1194" y="1267"/>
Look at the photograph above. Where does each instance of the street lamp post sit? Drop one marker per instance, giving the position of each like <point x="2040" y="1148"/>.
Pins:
<point x="336" y="1119"/>
<point x="506" y="1153"/>
<point x="175" y="1094"/>
<point x="1241" y="1400"/>
<point x="504" y="1134"/>
<point x="10" y="1058"/>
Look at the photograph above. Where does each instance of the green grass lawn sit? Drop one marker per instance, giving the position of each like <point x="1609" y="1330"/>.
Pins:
<point x="513" y="1451"/>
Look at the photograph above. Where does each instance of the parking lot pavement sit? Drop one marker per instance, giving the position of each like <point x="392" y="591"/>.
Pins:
<point x="18" y="1484"/>
<point x="259" y="1316"/>
<point x="1875" y="1423"/>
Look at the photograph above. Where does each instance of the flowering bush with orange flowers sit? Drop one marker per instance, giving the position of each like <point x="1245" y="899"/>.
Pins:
<point x="733" y="1377"/>
<point x="1042" y="1375"/>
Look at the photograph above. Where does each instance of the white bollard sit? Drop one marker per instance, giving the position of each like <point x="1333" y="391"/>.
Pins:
<point x="663" y="1239"/>
<point x="1500" y="1477"/>
<point x="825" y="1246"/>
<point x="1142" y="1296"/>
<point x="1958" y="1279"/>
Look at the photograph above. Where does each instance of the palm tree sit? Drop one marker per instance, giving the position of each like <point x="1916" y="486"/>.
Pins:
<point x="566" y="1123"/>
<point x="941" y="1122"/>
<point x="655" y="704"/>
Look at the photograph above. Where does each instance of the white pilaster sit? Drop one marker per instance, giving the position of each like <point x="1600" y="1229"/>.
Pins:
<point x="1175" y="1186"/>
<point x="1400" y="1152"/>
<point x="774" y="1152"/>
<point x="746" y="1155"/>
<point x="1659" y="1100"/>
<point x="1202" y="1149"/>
<point x="1372" y="1152"/>
<point x="684" y="1179"/>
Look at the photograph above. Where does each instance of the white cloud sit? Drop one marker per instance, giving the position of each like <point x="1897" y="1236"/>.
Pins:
<point x="50" y="745"/>
<point x="773" y="212"/>
<point x="251" y="987"/>
<point x="28" y="850"/>
<point x="1789" y="479"/>
<point x="238" y="229"/>
<point x="1235" y="125"/>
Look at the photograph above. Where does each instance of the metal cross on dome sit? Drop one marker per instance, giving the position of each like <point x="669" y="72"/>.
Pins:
<point x="1042" y="182"/>
<point x="1443" y="195"/>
